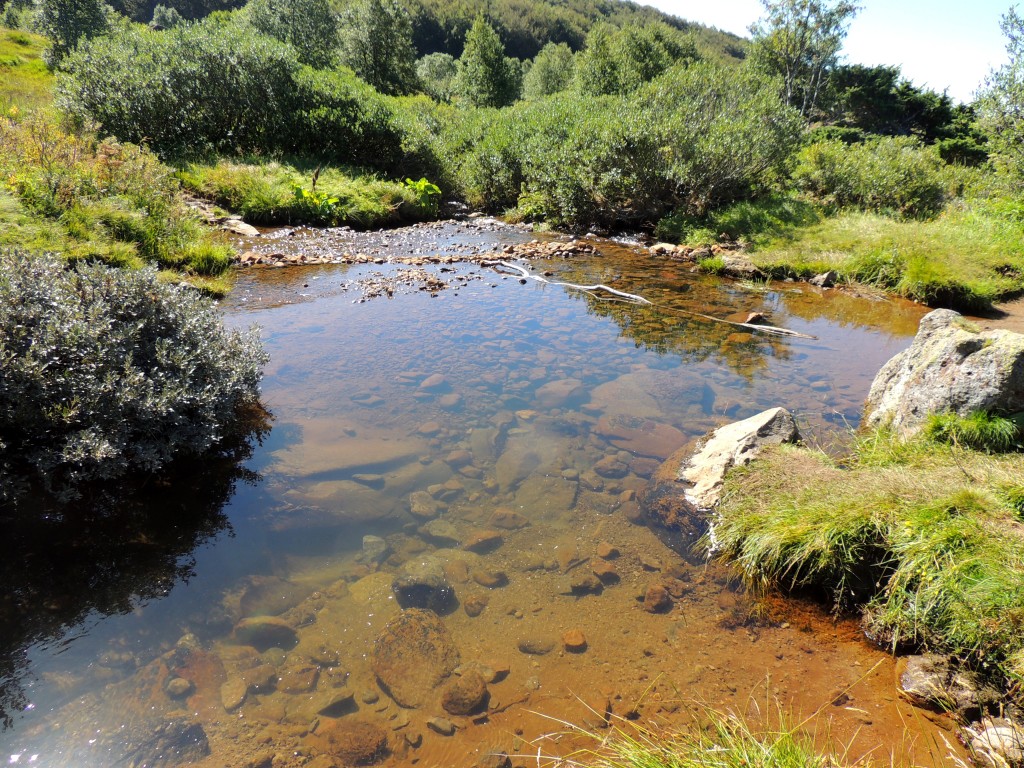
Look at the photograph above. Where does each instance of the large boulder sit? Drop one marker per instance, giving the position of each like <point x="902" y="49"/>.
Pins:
<point x="950" y="366"/>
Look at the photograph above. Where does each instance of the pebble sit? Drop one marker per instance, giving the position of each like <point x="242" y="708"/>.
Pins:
<point x="536" y="646"/>
<point x="508" y="519"/>
<point x="605" y="571"/>
<point x="489" y="579"/>
<point x="574" y="640"/>
<point x="474" y="605"/>
<point x="657" y="599"/>
<point x="441" y="725"/>
<point x="179" y="687"/>
<point x="483" y="541"/>
<point x="606" y="551"/>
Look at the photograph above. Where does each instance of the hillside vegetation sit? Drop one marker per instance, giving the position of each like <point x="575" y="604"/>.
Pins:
<point x="593" y="115"/>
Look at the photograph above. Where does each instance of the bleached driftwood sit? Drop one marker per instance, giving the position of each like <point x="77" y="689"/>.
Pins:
<point x="635" y="299"/>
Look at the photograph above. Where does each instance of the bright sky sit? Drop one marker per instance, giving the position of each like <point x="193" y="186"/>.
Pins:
<point x="940" y="44"/>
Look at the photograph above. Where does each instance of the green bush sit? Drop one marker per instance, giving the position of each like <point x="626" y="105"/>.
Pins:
<point x="105" y="372"/>
<point x="894" y="175"/>
<point x="196" y="88"/>
<point x="339" y="118"/>
<point x="722" y="134"/>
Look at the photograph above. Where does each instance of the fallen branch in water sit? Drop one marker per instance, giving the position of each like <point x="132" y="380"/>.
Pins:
<point x="635" y="299"/>
<point x="632" y="297"/>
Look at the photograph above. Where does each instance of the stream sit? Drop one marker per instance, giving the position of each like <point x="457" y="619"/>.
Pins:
<point x="480" y="441"/>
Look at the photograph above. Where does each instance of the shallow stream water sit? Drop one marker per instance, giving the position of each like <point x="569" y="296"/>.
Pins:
<point x="519" y="419"/>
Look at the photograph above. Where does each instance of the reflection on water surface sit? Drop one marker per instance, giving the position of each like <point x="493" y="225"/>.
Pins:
<point x="482" y="452"/>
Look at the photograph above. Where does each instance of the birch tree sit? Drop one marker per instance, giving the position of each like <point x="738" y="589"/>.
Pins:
<point x="800" y="40"/>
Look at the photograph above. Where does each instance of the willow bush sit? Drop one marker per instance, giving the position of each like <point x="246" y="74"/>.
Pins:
<point x="106" y="372"/>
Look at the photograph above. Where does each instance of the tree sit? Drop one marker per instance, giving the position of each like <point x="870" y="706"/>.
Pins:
<point x="310" y="26"/>
<point x="436" y="73"/>
<point x="800" y="40"/>
<point x="618" y="61"/>
<point x="66" y="22"/>
<point x="877" y="100"/>
<point x="486" y="77"/>
<point x="166" y="18"/>
<point x="551" y="72"/>
<point x="1001" y="101"/>
<point x="376" y="42"/>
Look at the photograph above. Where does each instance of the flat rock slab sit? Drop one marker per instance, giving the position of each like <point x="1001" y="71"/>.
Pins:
<point x="639" y="436"/>
<point x="335" y="449"/>
<point x="950" y="366"/>
<point x="413" y="655"/>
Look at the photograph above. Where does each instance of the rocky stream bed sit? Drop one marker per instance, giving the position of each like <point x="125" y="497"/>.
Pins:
<point x="445" y="560"/>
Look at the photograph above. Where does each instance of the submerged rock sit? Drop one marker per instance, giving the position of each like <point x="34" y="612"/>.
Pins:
<point x="413" y="655"/>
<point x="356" y="742"/>
<point x="465" y="695"/>
<point x="264" y="632"/>
<point x="173" y="743"/>
<point x="950" y="366"/>
<point x="931" y="680"/>
<point x="422" y="584"/>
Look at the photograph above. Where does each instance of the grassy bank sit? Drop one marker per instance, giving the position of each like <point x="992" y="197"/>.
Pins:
<point x="85" y="197"/>
<point x="719" y="741"/>
<point x="25" y="81"/>
<point x="279" y="193"/>
<point x="967" y="257"/>
<point x="924" y="537"/>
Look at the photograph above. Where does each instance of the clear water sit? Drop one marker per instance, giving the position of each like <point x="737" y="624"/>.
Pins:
<point x="492" y="396"/>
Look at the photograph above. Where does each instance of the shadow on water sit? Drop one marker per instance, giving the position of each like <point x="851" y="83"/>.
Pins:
<point x="108" y="553"/>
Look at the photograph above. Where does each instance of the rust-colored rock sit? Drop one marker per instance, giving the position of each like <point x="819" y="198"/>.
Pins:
<point x="657" y="598"/>
<point x="574" y="640"/>
<point x="606" y="551"/>
<point x="605" y="571"/>
<point x="465" y="695"/>
<point x="483" y="541"/>
<point x="413" y="655"/>
<point x="355" y="742"/>
<point x="508" y="519"/>
<point x="474" y="605"/>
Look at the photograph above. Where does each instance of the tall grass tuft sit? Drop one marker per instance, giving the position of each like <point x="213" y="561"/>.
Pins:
<point x="923" y="536"/>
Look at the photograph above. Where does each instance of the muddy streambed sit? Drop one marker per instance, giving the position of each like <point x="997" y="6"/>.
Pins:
<point x="491" y="435"/>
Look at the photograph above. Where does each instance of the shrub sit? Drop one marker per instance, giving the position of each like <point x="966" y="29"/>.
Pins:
<point x="106" y="372"/>
<point x="894" y="175"/>
<point x="209" y="86"/>
<point x="723" y="134"/>
<point x="309" y="26"/>
<point x="341" y="119"/>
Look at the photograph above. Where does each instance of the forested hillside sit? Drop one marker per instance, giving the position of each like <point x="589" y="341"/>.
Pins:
<point x="591" y="114"/>
<point x="525" y="26"/>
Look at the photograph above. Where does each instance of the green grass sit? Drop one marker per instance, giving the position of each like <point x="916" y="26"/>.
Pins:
<point x="264" y="192"/>
<point x="923" y="536"/>
<point x="715" y="740"/>
<point x="967" y="257"/>
<point x="25" y="81"/>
